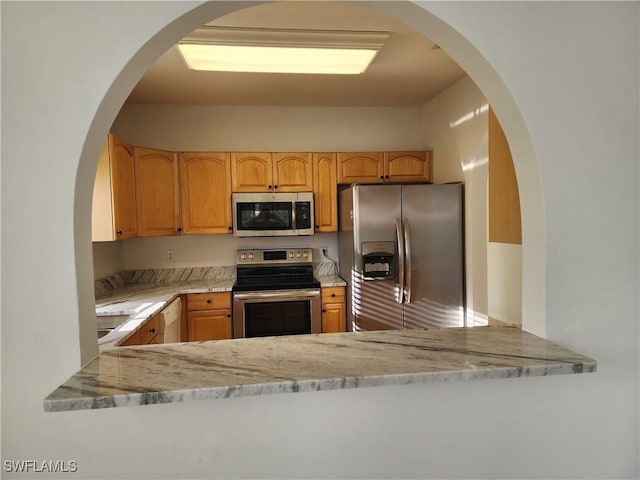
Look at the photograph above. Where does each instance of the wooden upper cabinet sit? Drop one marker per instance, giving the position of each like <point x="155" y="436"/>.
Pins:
<point x="114" y="212"/>
<point x="251" y="172"/>
<point x="206" y="192"/>
<point x="271" y="172"/>
<point x="325" y="192"/>
<point x="360" y="167"/>
<point x="407" y="166"/>
<point x="292" y="172"/>
<point x="157" y="202"/>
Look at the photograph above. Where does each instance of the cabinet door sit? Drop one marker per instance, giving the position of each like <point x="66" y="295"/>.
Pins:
<point x="333" y="318"/>
<point x="156" y="174"/>
<point x="206" y="192"/>
<point x="134" y="339"/>
<point x="150" y="330"/>
<point x="407" y="166"/>
<point x="209" y="325"/>
<point x="113" y="214"/>
<point x="360" y="167"/>
<point x="325" y="192"/>
<point x="102" y="228"/>
<point x="123" y="187"/>
<point x="292" y="172"/>
<point x="251" y="172"/>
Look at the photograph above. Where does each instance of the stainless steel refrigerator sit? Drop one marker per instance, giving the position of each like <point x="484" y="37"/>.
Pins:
<point x="402" y="255"/>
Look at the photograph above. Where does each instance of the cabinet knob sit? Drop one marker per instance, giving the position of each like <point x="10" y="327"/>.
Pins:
<point x="119" y="232"/>
<point x="381" y="177"/>
<point x="179" y="229"/>
<point x="333" y="294"/>
<point x="152" y="330"/>
<point x="317" y="226"/>
<point x="386" y="176"/>
<point x="230" y="229"/>
<point x="275" y="186"/>
<point x="209" y="300"/>
<point x="270" y="187"/>
<point x="324" y="311"/>
<point x="228" y="315"/>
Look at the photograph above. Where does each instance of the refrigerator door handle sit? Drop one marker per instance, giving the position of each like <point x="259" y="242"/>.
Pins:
<point x="401" y="261"/>
<point x="407" y="253"/>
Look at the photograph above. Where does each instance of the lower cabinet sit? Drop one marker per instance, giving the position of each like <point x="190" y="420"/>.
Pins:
<point x="146" y="335"/>
<point x="334" y="318"/>
<point x="209" y="316"/>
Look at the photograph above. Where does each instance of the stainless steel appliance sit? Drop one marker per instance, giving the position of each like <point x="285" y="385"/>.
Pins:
<point x="402" y="254"/>
<point x="275" y="293"/>
<point x="272" y="214"/>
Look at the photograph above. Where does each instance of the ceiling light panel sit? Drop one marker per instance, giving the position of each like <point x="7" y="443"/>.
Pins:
<point x="280" y="51"/>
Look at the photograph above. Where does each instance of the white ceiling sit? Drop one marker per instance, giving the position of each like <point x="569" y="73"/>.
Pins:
<point x="408" y="71"/>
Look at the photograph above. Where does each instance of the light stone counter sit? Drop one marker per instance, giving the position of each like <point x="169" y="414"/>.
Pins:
<point x="138" y="294"/>
<point x="231" y="368"/>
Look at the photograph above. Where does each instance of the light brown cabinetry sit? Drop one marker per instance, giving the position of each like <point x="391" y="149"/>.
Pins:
<point x="381" y="167"/>
<point x="292" y="172"/>
<point x="114" y="212"/>
<point x="147" y="334"/>
<point x="209" y="316"/>
<point x="407" y="166"/>
<point x="251" y="172"/>
<point x="206" y="192"/>
<point x="333" y="310"/>
<point x="360" y="167"/>
<point x="325" y="192"/>
<point x="157" y="200"/>
<point x="271" y="172"/>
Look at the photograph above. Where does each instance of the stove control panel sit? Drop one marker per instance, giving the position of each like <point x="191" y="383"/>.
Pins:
<point x="282" y="256"/>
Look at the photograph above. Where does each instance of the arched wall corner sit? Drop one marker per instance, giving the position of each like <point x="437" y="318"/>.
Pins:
<point x="442" y="31"/>
<point x="419" y="18"/>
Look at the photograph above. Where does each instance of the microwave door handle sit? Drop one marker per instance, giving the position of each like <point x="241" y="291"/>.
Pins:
<point x="294" y="222"/>
<point x="401" y="260"/>
<point x="407" y="250"/>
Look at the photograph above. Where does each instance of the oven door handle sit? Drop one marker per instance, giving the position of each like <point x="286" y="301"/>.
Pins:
<point x="279" y="294"/>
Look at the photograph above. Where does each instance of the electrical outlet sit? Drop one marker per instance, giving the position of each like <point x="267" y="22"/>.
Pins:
<point x="171" y="255"/>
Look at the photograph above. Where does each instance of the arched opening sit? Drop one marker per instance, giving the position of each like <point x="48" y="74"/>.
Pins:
<point x="418" y="18"/>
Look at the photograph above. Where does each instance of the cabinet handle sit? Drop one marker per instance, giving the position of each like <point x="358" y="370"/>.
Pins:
<point x="381" y="177"/>
<point x="209" y="300"/>
<point x="228" y="315"/>
<point x="270" y="187"/>
<point x="179" y="229"/>
<point x="275" y="186"/>
<point x="119" y="232"/>
<point x="386" y="176"/>
<point x="230" y="229"/>
<point x="333" y="294"/>
<point x="324" y="311"/>
<point x="152" y="330"/>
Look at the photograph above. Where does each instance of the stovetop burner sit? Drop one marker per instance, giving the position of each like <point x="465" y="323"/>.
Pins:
<point x="275" y="270"/>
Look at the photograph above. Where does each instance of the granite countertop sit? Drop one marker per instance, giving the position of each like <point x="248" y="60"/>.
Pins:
<point x="137" y="302"/>
<point x="256" y="366"/>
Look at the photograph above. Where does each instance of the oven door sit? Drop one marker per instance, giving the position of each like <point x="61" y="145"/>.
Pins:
<point x="276" y="312"/>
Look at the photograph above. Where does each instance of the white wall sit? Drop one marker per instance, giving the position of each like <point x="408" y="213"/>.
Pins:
<point x="108" y="258"/>
<point x="455" y="127"/>
<point x="582" y="122"/>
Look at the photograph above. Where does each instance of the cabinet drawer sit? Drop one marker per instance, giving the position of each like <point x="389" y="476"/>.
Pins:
<point x="149" y="330"/>
<point x="208" y="301"/>
<point x="333" y="295"/>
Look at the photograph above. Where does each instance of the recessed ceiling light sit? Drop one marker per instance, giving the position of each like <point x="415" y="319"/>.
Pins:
<point x="280" y="51"/>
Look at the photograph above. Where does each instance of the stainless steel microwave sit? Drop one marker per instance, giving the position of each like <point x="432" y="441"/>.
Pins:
<point x="272" y="214"/>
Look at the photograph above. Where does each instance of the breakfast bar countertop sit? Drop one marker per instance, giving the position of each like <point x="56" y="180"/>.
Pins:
<point x="180" y="372"/>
